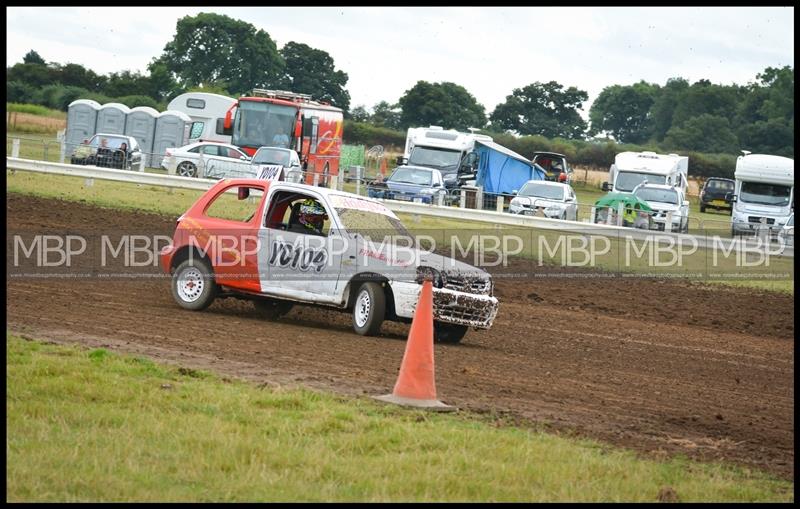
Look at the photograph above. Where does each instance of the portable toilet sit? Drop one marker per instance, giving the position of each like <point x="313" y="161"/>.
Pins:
<point x="81" y="121"/>
<point x="141" y="124"/>
<point x="111" y="118"/>
<point x="172" y="131"/>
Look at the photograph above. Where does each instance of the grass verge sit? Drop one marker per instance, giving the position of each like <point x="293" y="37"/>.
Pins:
<point x="95" y="426"/>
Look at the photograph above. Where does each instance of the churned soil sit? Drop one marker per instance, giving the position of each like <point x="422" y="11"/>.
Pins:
<point x="708" y="372"/>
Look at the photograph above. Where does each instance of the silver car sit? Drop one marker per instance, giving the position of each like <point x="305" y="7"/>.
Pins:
<point x="549" y="199"/>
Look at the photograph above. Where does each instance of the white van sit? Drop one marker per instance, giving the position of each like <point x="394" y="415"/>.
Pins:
<point x="632" y="168"/>
<point x="764" y="193"/>
<point x="205" y="110"/>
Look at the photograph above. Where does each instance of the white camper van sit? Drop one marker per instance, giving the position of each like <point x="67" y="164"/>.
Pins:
<point x="632" y="168"/>
<point x="764" y="193"/>
<point x="205" y="110"/>
<point x="440" y="149"/>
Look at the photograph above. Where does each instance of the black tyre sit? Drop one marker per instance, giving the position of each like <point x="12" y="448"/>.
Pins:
<point x="187" y="169"/>
<point x="369" y="309"/>
<point x="448" y="332"/>
<point x="272" y="309"/>
<point x="193" y="285"/>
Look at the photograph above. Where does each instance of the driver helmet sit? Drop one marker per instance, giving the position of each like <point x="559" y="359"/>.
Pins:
<point x="311" y="215"/>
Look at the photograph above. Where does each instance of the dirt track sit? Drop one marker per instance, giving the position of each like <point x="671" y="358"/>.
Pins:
<point x="710" y="374"/>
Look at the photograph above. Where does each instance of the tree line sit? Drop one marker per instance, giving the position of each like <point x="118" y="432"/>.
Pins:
<point x="215" y="53"/>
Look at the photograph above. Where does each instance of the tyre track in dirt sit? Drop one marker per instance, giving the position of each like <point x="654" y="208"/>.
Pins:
<point x="658" y="381"/>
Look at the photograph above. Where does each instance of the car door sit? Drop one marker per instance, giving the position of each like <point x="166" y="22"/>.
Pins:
<point x="297" y="263"/>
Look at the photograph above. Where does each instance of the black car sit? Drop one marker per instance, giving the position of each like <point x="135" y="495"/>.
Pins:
<point x="716" y="194"/>
<point x="555" y="166"/>
<point x="108" y="151"/>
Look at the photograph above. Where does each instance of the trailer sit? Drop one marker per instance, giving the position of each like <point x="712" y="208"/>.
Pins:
<point x="205" y="110"/>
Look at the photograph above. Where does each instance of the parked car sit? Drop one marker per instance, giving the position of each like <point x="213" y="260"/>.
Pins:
<point x="554" y="165"/>
<point x="786" y="233"/>
<point x="296" y="243"/>
<point x="184" y="161"/>
<point x="664" y="200"/>
<point x="106" y="150"/>
<point x="275" y="163"/>
<point x="549" y="199"/>
<point x="716" y="194"/>
<point x="410" y="183"/>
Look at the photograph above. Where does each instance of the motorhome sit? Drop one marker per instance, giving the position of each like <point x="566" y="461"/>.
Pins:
<point x="632" y="168"/>
<point x="445" y="150"/>
<point x="205" y="110"/>
<point x="764" y="193"/>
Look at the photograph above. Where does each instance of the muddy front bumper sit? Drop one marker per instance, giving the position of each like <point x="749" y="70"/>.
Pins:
<point x="449" y="306"/>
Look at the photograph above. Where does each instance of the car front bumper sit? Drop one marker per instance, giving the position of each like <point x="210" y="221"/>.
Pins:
<point x="449" y="306"/>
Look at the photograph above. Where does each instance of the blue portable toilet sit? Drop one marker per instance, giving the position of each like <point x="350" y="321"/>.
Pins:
<point x="141" y="124"/>
<point x="81" y="122"/>
<point x="111" y="118"/>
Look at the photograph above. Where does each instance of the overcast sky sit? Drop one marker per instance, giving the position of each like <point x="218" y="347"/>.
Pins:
<point x="489" y="51"/>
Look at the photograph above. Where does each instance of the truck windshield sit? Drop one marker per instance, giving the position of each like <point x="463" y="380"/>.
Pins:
<point x="659" y="195"/>
<point x="627" y="180"/>
<point x="435" y="157"/>
<point x="765" y="194"/>
<point x="542" y="191"/>
<point x="412" y="176"/>
<point x="262" y="124"/>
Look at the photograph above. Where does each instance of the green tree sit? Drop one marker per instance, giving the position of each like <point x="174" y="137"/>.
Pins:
<point x="126" y="83"/>
<point x="35" y="75"/>
<point x="623" y="111"/>
<point x="76" y="75"/>
<point x="213" y="48"/>
<point x="664" y="105"/>
<point x="704" y="133"/>
<point x="32" y="57"/>
<point x="311" y="71"/>
<point x="162" y="86"/>
<point x="546" y="109"/>
<point x="385" y="115"/>
<point x="444" y="104"/>
<point x="359" y="114"/>
<point x="704" y="97"/>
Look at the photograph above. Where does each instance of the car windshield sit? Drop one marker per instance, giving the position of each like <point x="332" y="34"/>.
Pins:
<point x="411" y="176"/>
<point x="627" y="180"/>
<point x="542" y="191"/>
<point x="659" y="195"/>
<point x="765" y="194"/>
<point x="721" y="185"/>
<point x="367" y="218"/>
<point x="112" y="142"/>
<point x="271" y="156"/>
<point x="435" y="157"/>
<point x="261" y="124"/>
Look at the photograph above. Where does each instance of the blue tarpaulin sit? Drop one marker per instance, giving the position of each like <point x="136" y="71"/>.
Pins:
<point x="501" y="170"/>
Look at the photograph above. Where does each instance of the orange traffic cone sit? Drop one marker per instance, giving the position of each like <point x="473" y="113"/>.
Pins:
<point x="416" y="385"/>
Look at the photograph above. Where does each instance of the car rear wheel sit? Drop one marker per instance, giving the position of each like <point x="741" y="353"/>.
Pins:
<point x="193" y="285"/>
<point x="702" y="208"/>
<point x="272" y="309"/>
<point x="449" y="333"/>
<point x="187" y="169"/>
<point x="369" y="309"/>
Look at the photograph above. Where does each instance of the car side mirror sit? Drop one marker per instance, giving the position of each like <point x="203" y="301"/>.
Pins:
<point x="243" y="193"/>
<point x="606" y="186"/>
<point x="731" y="197"/>
<point x="515" y="191"/>
<point x="685" y="203"/>
<point x="243" y="158"/>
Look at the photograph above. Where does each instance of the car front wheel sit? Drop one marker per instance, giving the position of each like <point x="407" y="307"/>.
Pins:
<point x="187" y="169"/>
<point x="369" y="309"/>
<point x="193" y="285"/>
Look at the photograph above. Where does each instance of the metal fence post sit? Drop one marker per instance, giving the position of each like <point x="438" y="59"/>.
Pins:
<point x="463" y="200"/>
<point x="620" y="205"/>
<point x="141" y="165"/>
<point x="334" y="184"/>
<point x="15" y="147"/>
<point x="479" y="198"/>
<point x="609" y="216"/>
<point x="593" y="214"/>
<point x="62" y="154"/>
<point x="358" y="179"/>
<point x="316" y="179"/>
<point x="201" y="166"/>
<point x="668" y="223"/>
<point x="440" y="199"/>
<point x="499" y="203"/>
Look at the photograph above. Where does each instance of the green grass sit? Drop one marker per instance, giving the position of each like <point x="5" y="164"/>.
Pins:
<point x="35" y="109"/>
<point x="620" y="256"/>
<point x="95" y="426"/>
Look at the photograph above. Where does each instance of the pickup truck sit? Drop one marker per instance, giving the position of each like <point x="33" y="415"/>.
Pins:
<point x="280" y="243"/>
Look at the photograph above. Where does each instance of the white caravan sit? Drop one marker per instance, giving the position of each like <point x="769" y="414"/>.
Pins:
<point x="444" y="150"/>
<point x="205" y="110"/>
<point x="632" y="168"/>
<point x="764" y="193"/>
